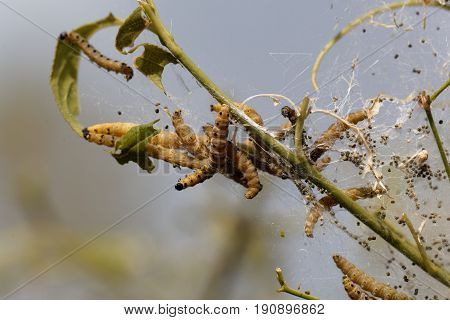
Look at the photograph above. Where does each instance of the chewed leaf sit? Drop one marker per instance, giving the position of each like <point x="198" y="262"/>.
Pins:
<point x="133" y="146"/>
<point x="64" y="76"/>
<point x="131" y="29"/>
<point x="152" y="62"/>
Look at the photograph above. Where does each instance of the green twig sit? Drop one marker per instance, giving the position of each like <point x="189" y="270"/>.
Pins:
<point x="386" y="230"/>
<point x="299" y="126"/>
<point x="415" y="235"/>
<point x="285" y="288"/>
<point x="425" y="102"/>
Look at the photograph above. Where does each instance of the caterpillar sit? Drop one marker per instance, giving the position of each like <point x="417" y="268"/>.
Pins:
<point x="100" y="138"/>
<point x="117" y="129"/>
<point x="327" y="202"/>
<point x="354" y="291"/>
<point x="107" y="134"/>
<point x="95" y="56"/>
<point x="219" y="137"/>
<point x="367" y="282"/>
<point x="198" y="176"/>
<point x="250" y="174"/>
<point x="249" y="111"/>
<point x="187" y="136"/>
<point x="329" y="137"/>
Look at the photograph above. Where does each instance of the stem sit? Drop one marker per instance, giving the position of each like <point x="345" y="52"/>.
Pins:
<point x="299" y="125"/>
<point x="300" y="161"/>
<point x="425" y="102"/>
<point x="285" y="288"/>
<point x="439" y="91"/>
<point x="349" y="27"/>
<point x="415" y="235"/>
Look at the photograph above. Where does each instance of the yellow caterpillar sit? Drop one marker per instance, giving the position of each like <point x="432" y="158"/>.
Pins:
<point x="95" y="56"/>
<point x="249" y="111"/>
<point x="108" y="133"/>
<point x="354" y="291"/>
<point x="198" y="176"/>
<point x="327" y="202"/>
<point x="188" y="138"/>
<point x="367" y="282"/>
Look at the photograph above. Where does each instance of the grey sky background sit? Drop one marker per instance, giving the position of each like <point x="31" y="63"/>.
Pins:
<point x="178" y="245"/>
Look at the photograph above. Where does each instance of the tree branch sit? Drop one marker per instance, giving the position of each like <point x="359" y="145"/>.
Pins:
<point x="298" y="161"/>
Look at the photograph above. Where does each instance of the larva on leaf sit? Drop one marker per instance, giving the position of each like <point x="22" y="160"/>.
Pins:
<point x="95" y="56"/>
<point x="354" y="291"/>
<point x="367" y="282"/>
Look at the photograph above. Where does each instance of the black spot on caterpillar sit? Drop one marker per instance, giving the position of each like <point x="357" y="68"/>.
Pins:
<point x="95" y="56"/>
<point x="367" y="282"/>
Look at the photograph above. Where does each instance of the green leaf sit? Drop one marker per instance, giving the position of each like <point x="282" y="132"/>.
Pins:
<point x="131" y="29"/>
<point x="64" y="76"/>
<point x="152" y="62"/>
<point x="133" y="146"/>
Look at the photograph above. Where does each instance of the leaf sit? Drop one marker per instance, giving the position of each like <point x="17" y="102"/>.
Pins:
<point x="131" y="29"/>
<point x="133" y="146"/>
<point x="64" y="76"/>
<point x="152" y="62"/>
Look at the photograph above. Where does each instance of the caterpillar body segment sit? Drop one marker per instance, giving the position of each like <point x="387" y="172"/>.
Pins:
<point x="100" y="138"/>
<point x="322" y="163"/>
<point x="196" y="177"/>
<point x="367" y="282"/>
<point x="327" y="202"/>
<point x="249" y="173"/>
<point x="95" y="56"/>
<point x="249" y="111"/>
<point x="167" y="139"/>
<point x="354" y="291"/>
<point x="174" y="157"/>
<point x="188" y="137"/>
<point x="332" y="134"/>
<point x="117" y="129"/>
<point x="313" y="216"/>
<point x="261" y="159"/>
<point x="218" y="143"/>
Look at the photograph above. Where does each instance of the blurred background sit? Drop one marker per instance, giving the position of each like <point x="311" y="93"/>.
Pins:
<point x="82" y="227"/>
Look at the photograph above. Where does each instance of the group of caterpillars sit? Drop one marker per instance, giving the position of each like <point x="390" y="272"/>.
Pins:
<point x="207" y="154"/>
<point x="212" y="152"/>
